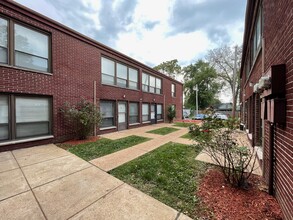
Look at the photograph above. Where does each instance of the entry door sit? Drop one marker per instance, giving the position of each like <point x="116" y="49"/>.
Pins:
<point x="122" y="115"/>
<point x="153" y="113"/>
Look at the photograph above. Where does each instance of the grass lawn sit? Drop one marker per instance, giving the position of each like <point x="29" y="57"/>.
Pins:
<point x="163" y="131"/>
<point x="170" y="174"/>
<point x="187" y="136"/>
<point x="104" y="146"/>
<point x="182" y="124"/>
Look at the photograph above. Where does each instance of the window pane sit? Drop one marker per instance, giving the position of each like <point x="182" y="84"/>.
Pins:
<point x="108" y="67"/>
<point x="145" y="118"/>
<point x="3" y="109"/>
<point x="159" y="116"/>
<point x="106" y="109"/>
<point x="133" y="119"/>
<point x="3" y="40"/>
<point x="31" y="109"/>
<point x="3" y="55"/>
<point x="152" y="89"/>
<point x="3" y="32"/>
<point x="106" y="79"/>
<point x="3" y="132"/>
<point x="107" y="122"/>
<point x="258" y="30"/>
<point x="158" y="83"/>
<point x="32" y="129"/>
<point x="133" y="109"/>
<point x="158" y="91"/>
<point x="159" y="109"/>
<point x="132" y="85"/>
<point x="121" y="71"/>
<point x="133" y="74"/>
<point x="152" y="81"/>
<point x="31" y="62"/>
<point x="121" y="82"/>
<point x="145" y="88"/>
<point x="31" y="42"/>
<point x="145" y="79"/>
<point x="145" y="109"/>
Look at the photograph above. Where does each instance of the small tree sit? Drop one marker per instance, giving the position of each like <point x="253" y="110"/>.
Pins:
<point x="171" y="113"/>
<point x="82" y="117"/>
<point x="217" y="138"/>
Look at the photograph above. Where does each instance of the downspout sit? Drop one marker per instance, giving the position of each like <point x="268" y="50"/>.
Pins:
<point x="95" y="103"/>
<point x="271" y="159"/>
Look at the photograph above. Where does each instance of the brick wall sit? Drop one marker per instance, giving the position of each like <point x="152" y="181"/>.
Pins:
<point x="278" y="49"/>
<point x="76" y="64"/>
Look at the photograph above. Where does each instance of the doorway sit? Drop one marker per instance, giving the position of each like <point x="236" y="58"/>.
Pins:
<point x="122" y="115"/>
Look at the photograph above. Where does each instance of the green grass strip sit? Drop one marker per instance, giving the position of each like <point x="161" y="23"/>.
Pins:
<point x="163" y="131"/>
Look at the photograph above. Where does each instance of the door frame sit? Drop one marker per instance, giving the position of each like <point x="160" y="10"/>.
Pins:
<point x="123" y="125"/>
<point x="154" y="114"/>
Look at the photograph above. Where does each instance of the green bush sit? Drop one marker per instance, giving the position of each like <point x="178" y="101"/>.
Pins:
<point x="81" y="117"/>
<point x="171" y="113"/>
<point x="217" y="138"/>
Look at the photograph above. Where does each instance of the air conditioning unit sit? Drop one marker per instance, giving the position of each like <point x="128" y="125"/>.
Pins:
<point x="264" y="82"/>
<point x="257" y="89"/>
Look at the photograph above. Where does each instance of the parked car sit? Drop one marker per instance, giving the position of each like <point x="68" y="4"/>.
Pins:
<point x="220" y="116"/>
<point x="199" y="117"/>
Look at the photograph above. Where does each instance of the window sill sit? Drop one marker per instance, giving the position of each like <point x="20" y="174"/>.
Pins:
<point x="26" y="140"/>
<point x="160" y="120"/>
<point x="108" y="128"/>
<point x="152" y="93"/>
<point x="26" y="69"/>
<point x="118" y="87"/>
<point x="146" y="122"/>
<point x="134" y="124"/>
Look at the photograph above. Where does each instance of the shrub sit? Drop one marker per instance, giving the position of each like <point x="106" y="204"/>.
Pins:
<point x="171" y="113"/>
<point x="82" y="117"/>
<point x="218" y="140"/>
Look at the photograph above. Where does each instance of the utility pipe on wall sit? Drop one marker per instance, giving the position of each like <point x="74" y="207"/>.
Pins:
<point x="271" y="159"/>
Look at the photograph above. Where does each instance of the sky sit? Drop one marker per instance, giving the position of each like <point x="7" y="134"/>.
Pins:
<point x="152" y="31"/>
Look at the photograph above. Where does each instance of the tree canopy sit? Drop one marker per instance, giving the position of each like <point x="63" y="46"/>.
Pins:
<point x="227" y="61"/>
<point x="170" y="68"/>
<point x="205" y="76"/>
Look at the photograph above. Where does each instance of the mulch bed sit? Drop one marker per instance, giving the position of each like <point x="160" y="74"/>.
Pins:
<point x="228" y="202"/>
<point x="89" y="139"/>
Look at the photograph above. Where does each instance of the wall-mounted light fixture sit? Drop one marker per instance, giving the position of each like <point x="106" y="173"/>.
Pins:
<point x="154" y="100"/>
<point x="124" y="96"/>
<point x="250" y="84"/>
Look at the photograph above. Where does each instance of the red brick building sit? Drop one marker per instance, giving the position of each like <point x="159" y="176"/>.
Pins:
<point x="44" y="64"/>
<point x="267" y="93"/>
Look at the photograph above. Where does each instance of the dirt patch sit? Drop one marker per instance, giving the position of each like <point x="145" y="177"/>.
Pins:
<point x="228" y="202"/>
<point x="89" y="139"/>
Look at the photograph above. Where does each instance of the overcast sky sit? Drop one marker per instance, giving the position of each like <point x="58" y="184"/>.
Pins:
<point x="152" y="31"/>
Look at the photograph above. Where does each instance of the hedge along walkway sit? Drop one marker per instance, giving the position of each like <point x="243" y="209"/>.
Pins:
<point x="116" y="159"/>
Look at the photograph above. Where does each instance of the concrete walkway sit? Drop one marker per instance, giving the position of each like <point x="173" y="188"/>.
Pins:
<point x="118" y="158"/>
<point x="47" y="182"/>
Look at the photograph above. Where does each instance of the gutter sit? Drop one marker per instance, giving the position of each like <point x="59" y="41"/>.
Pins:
<point x="271" y="159"/>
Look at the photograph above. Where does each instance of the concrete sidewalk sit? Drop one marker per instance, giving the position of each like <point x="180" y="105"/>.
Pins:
<point x="118" y="158"/>
<point x="47" y="182"/>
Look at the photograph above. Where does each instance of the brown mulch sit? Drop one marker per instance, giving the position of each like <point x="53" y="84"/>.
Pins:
<point x="89" y="139"/>
<point x="228" y="202"/>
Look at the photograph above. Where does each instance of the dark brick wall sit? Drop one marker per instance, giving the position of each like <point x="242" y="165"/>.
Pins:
<point x="278" y="49"/>
<point x="76" y="64"/>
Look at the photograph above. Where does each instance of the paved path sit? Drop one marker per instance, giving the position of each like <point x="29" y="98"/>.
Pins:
<point x="47" y="182"/>
<point x="118" y="158"/>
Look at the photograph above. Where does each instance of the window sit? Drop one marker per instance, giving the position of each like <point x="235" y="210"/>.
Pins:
<point x="173" y="90"/>
<point x="133" y="113"/>
<point x="4" y="117"/>
<point x="256" y="38"/>
<point x="3" y="41"/>
<point x="159" y="111"/>
<point x="30" y="47"/>
<point x="24" y="116"/>
<point x="158" y="86"/>
<point x="108" y="71"/>
<point x="133" y="78"/>
<point x="151" y="84"/>
<point x="107" y="110"/>
<point x="145" y="112"/>
<point x="32" y="116"/>
<point x="145" y="82"/>
<point x="122" y="76"/>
